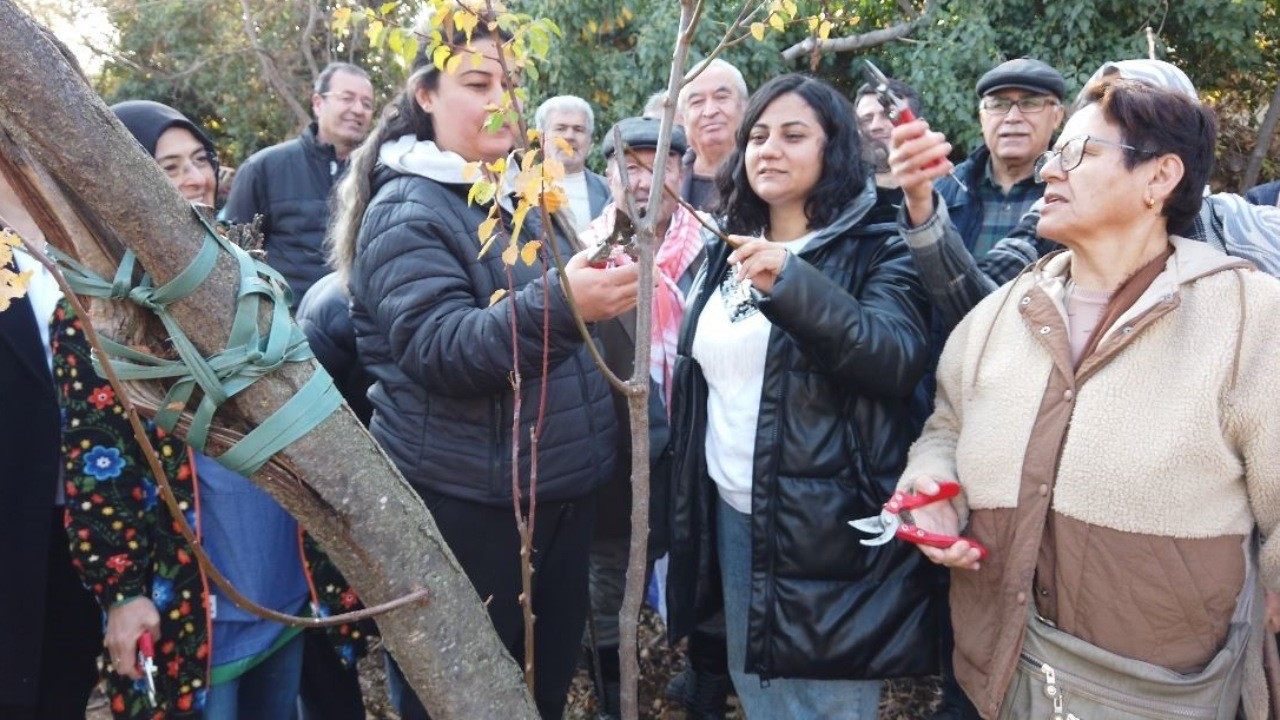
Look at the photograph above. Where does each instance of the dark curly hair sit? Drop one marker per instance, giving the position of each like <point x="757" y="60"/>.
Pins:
<point x="843" y="177"/>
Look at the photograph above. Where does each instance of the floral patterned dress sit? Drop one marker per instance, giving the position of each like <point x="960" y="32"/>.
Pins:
<point x="125" y="543"/>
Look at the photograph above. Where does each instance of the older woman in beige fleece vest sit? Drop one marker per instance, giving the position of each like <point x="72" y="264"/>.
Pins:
<point x="1113" y="416"/>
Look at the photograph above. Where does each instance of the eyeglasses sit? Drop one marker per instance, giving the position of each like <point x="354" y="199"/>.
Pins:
<point x="176" y="167"/>
<point x="1073" y="151"/>
<point x="1028" y="105"/>
<point x="350" y="99"/>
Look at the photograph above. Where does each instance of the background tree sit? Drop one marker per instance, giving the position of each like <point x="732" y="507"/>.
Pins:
<point x="613" y="53"/>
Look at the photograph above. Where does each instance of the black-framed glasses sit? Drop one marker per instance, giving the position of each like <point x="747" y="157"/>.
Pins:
<point x="1073" y="151"/>
<point x="1028" y="105"/>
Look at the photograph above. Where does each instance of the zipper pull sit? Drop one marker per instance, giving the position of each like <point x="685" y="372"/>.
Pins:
<point x="1054" y="693"/>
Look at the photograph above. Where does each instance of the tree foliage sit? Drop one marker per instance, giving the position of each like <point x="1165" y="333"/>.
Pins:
<point x="195" y="55"/>
<point x="615" y="52"/>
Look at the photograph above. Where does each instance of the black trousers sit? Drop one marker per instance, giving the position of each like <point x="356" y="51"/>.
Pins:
<point x="485" y="541"/>
<point x="328" y="691"/>
<point x="72" y="639"/>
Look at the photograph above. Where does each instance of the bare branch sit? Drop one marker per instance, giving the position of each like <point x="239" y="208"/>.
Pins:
<point x="269" y="68"/>
<point x="748" y="10"/>
<point x="313" y="14"/>
<point x="856" y="42"/>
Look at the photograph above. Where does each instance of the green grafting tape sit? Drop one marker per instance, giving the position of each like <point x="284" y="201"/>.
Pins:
<point x="248" y="357"/>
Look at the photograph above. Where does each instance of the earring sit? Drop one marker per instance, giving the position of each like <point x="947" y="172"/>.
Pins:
<point x="1150" y="201"/>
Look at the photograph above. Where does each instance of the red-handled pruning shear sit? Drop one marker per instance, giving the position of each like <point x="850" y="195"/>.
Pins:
<point x="895" y="520"/>
<point x="896" y="106"/>
<point x="147" y="661"/>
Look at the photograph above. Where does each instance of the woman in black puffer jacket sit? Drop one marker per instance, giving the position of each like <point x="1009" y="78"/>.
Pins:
<point x="440" y="351"/>
<point x="797" y="359"/>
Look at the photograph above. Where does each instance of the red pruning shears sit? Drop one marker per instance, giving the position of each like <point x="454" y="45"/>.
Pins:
<point x="147" y="661"/>
<point x="895" y="520"/>
<point x="896" y="106"/>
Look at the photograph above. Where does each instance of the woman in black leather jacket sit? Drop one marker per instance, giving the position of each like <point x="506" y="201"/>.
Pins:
<point x="439" y="345"/>
<point x="797" y="359"/>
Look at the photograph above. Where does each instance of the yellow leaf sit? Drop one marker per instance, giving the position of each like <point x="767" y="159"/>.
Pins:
<point x="554" y="198"/>
<point x="511" y="253"/>
<point x="476" y="59"/>
<point x="439" y="56"/>
<point x="757" y="30"/>
<point x="341" y="18"/>
<point x="824" y="30"/>
<point x="529" y="253"/>
<point x="626" y="13"/>
<point x="498" y="166"/>
<point x="532" y="135"/>
<point x="790" y="7"/>
<point x="466" y="22"/>
<point x="496" y="296"/>
<point x="775" y="22"/>
<point x="374" y="31"/>
<point x="12" y="286"/>
<point x="552" y="169"/>
<point x="471" y="171"/>
<point x="813" y="24"/>
<point x="486" y="229"/>
<point x="517" y="221"/>
<point x="564" y="146"/>
<point x="451" y="65"/>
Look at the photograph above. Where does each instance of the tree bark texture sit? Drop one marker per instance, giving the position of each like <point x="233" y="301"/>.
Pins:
<point x="345" y="491"/>
<point x="1263" y="144"/>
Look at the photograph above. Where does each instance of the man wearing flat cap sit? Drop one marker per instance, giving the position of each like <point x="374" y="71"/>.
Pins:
<point x="1020" y="108"/>
<point x="677" y="258"/>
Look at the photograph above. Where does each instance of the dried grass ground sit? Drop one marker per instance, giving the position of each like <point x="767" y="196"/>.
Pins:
<point x="902" y="700"/>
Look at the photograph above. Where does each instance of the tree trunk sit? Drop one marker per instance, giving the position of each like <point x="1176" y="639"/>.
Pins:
<point x="348" y="494"/>
<point x="1260" y="148"/>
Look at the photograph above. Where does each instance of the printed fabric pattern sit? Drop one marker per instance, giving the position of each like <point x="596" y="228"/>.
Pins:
<point x="125" y="543"/>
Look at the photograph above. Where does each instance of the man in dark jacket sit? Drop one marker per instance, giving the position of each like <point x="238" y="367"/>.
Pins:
<point x="1020" y="109"/>
<point x="325" y="317"/>
<point x="289" y="184"/>
<point x="50" y="627"/>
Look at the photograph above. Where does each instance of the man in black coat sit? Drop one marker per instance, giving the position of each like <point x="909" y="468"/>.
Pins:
<point x="50" y="626"/>
<point x="289" y="184"/>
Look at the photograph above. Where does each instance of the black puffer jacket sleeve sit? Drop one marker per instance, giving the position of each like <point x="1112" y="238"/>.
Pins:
<point x="874" y="337"/>
<point x="433" y="303"/>
<point x="325" y="317"/>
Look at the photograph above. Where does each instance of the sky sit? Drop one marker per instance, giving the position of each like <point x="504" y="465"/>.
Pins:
<point x="83" y="25"/>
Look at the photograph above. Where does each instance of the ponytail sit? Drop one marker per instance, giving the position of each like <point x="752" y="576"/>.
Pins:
<point x="402" y="116"/>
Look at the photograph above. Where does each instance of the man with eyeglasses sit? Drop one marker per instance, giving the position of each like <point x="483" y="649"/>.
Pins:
<point x="289" y="184"/>
<point x="957" y="280"/>
<point x="1020" y="108"/>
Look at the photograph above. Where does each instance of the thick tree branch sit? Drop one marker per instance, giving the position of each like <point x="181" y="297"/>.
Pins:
<point x="351" y="498"/>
